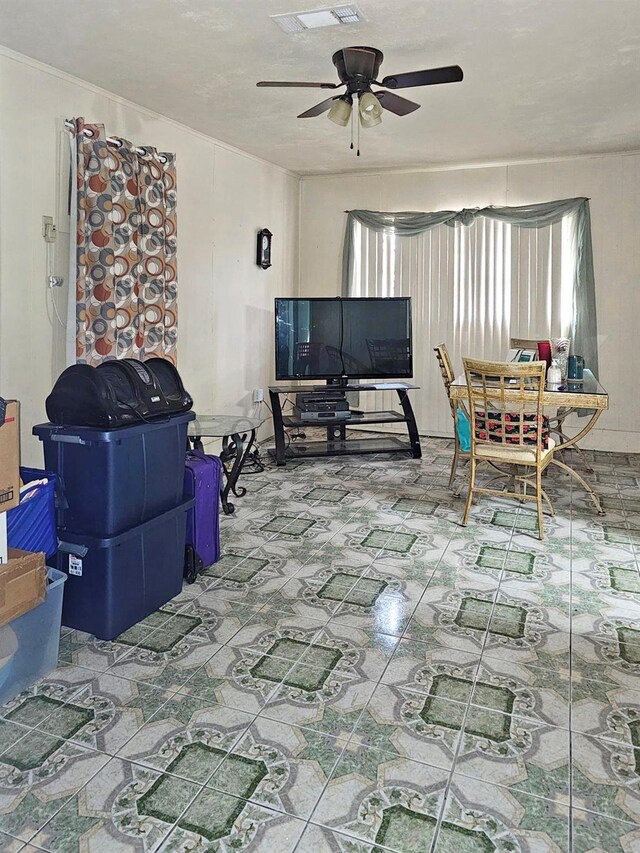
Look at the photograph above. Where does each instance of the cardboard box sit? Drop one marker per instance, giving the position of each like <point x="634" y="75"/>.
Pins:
<point x="10" y="457"/>
<point x="23" y="584"/>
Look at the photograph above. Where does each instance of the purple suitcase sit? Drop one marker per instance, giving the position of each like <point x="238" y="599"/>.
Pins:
<point x="202" y="476"/>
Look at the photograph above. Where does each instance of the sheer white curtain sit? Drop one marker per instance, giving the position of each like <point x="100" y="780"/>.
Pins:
<point x="472" y="287"/>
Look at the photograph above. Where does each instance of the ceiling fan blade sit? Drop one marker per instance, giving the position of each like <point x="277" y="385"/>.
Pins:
<point x="300" y="85"/>
<point x="396" y="104"/>
<point x="322" y="107"/>
<point x="448" y="74"/>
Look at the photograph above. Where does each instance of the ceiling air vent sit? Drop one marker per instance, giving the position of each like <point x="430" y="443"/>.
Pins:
<point x="301" y="21"/>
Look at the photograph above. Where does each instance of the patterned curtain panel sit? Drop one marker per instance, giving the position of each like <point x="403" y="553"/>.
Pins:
<point x="126" y="274"/>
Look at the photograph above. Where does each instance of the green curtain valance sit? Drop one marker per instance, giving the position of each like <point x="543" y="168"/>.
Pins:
<point x="410" y="224"/>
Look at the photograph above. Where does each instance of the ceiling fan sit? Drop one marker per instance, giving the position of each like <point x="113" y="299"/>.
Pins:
<point x="357" y="69"/>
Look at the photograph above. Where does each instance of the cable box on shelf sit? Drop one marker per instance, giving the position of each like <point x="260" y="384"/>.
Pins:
<point x="324" y="415"/>
<point x="317" y="406"/>
<point x="322" y="401"/>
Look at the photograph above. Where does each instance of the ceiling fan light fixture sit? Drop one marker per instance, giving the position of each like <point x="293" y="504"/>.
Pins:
<point x="340" y="112"/>
<point x="370" y="105"/>
<point x="370" y="119"/>
<point x="370" y="110"/>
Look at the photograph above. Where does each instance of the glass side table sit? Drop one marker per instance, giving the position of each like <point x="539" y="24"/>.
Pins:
<point x="238" y="434"/>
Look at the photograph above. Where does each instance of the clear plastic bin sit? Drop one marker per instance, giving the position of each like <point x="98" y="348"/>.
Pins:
<point x="29" y="644"/>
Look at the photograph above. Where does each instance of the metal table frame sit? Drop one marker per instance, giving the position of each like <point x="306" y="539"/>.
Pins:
<point x="236" y="447"/>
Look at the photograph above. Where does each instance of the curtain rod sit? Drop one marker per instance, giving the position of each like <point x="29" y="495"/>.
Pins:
<point x="70" y="124"/>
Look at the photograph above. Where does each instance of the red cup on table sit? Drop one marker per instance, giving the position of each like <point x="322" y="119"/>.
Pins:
<point x="544" y="351"/>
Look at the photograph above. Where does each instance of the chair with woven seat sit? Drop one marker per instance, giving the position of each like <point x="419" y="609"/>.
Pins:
<point x="446" y="370"/>
<point x="507" y="426"/>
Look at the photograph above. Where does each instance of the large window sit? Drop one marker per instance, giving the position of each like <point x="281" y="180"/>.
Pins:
<point x="473" y="286"/>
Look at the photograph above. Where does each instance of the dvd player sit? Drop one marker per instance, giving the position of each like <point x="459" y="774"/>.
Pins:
<point x="322" y="401"/>
<point x="329" y="415"/>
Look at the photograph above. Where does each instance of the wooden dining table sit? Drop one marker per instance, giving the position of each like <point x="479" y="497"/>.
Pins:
<point x="587" y="396"/>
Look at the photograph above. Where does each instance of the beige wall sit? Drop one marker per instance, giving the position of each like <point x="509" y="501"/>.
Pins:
<point x="225" y="339"/>
<point x="611" y="182"/>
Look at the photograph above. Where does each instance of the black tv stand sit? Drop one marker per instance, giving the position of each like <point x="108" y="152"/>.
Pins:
<point x="336" y="442"/>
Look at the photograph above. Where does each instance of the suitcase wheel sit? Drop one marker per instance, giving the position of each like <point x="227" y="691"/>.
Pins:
<point x="192" y="564"/>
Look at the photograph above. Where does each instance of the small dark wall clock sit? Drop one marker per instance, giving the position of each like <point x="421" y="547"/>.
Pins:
<point x="263" y="248"/>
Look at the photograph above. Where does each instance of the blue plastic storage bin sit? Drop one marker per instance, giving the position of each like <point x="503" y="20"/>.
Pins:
<point x="115" y="582"/>
<point x="29" y="644"/>
<point x="31" y="525"/>
<point x="113" y="480"/>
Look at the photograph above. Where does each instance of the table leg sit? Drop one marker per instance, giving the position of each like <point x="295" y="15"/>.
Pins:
<point x="235" y="442"/>
<point x="573" y="442"/>
<point x="583" y="483"/>
<point x="196" y="442"/>
<point x="560" y="417"/>
<point x="587" y="428"/>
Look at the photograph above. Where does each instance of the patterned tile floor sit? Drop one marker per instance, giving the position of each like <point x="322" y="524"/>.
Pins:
<point x="357" y="673"/>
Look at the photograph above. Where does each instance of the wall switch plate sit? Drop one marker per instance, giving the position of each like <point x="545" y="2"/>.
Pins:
<point x="258" y="395"/>
<point x="49" y="232"/>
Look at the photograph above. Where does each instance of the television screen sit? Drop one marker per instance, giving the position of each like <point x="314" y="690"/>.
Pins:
<point x="330" y="338"/>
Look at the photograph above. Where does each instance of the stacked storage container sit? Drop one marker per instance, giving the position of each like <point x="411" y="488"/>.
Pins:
<point x="121" y="524"/>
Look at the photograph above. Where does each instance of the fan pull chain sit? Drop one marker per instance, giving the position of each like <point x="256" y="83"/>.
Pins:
<point x="352" y="130"/>
<point x="358" y="151"/>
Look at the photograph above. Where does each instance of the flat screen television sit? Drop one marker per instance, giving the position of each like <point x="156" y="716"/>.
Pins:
<point x="340" y="338"/>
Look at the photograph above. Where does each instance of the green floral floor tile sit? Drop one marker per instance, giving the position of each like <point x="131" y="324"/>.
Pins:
<point x="515" y="521"/>
<point x="337" y="585"/>
<point x="606" y="777"/>
<point x="330" y="496"/>
<point x="319" y="839"/>
<point x="415" y="505"/>
<point x="218" y="822"/>
<point x="593" y="833"/>
<point x="10" y="734"/>
<point x="123" y="807"/>
<point x="279" y="766"/>
<point x="400" y="543"/>
<point x="503" y="619"/>
<point x="499" y="820"/>
<point x="394" y="804"/>
<point x="289" y="525"/>
<point x="230" y="678"/>
<point x="328" y="702"/>
<point x="37" y="776"/>
<point x="236" y="568"/>
<point x="31" y="708"/>
<point x="517" y="562"/>
<point x="187" y="737"/>
<point x="9" y="844"/>
<point x="64" y="720"/>
<point x="624" y="580"/>
<point x="628" y="643"/>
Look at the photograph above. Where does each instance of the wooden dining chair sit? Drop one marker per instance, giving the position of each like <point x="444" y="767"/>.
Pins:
<point x="446" y="370"/>
<point x="508" y="426"/>
<point x="524" y="343"/>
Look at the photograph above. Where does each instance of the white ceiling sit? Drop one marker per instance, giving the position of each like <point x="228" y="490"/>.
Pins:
<point x="543" y="78"/>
